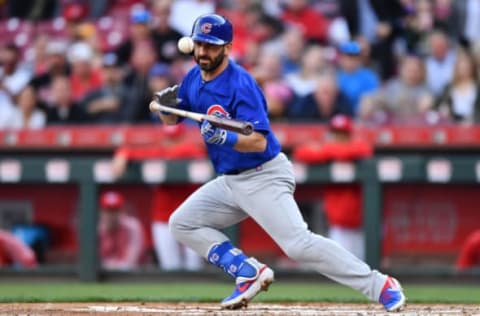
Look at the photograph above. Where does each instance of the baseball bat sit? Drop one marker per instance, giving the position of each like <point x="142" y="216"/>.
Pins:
<point x="242" y="127"/>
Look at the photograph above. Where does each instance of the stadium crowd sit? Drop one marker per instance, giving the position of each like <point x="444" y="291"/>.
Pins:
<point x="379" y="62"/>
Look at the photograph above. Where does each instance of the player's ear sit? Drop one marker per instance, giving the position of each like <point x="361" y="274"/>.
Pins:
<point x="228" y="48"/>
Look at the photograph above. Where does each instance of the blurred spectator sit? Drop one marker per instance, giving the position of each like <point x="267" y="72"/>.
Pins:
<point x="171" y="255"/>
<point x="366" y="54"/>
<point x="460" y="100"/>
<point x="313" y="63"/>
<point x="256" y="30"/>
<point x="381" y="23"/>
<point x="245" y="15"/>
<point x="160" y="77"/>
<point x="139" y="32"/>
<point x="294" y="47"/>
<point x="312" y="23"/>
<point x="338" y="31"/>
<point x="62" y="108"/>
<point x="165" y="37"/>
<point x="342" y="203"/>
<point x="98" y="8"/>
<point x="74" y="10"/>
<point x="85" y="77"/>
<point x="32" y="10"/>
<point x="38" y="58"/>
<point x="6" y="108"/>
<point x="419" y="23"/>
<point x="268" y="32"/>
<point x="475" y="50"/>
<point x="185" y="12"/>
<point x="26" y="114"/>
<point x="36" y="237"/>
<point x="442" y="13"/>
<point x="105" y="104"/>
<point x="439" y="63"/>
<point x="13" y="252"/>
<point x="139" y="96"/>
<point x="464" y="22"/>
<point x="322" y="104"/>
<point x="404" y="99"/>
<point x="87" y="33"/>
<point x="268" y="73"/>
<point x="14" y="76"/>
<point x="121" y="236"/>
<point x="354" y="79"/>
<point x="469" y="256"/>
<point x="74" y="13"/>
<point x="56" y="65"/>
<point x="329" y="8"/>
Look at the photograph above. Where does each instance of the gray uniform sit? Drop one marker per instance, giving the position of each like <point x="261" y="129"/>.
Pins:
<point x="266" y="195"/>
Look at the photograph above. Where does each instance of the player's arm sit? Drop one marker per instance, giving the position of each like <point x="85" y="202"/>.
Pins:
<point x="255" y="142"/>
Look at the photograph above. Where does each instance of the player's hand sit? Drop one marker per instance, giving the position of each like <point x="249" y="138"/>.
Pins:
<point x="168" y="96"/>
<point x="212" y="134"/>
<point x="218" y="136"/>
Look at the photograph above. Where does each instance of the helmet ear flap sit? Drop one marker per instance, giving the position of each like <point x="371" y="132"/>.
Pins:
<point x="194" y="26"/>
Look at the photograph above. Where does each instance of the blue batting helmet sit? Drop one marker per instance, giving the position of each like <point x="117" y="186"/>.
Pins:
<point x="213" y="29"/>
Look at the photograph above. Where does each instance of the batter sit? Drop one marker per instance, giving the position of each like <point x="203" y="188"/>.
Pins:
<point x="255" y="179"/>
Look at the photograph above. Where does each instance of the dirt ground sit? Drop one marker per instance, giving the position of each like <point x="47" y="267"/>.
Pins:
<point x="144" y="309"/>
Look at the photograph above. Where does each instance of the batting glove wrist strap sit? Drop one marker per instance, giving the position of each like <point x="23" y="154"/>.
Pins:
<point x="218" y="136"/>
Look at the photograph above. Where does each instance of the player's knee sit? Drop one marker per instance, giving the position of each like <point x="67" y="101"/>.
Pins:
<point x="299" y="248"/>
<point x="294" y="253"/>
<point x="295" y="248"/>
<point x="175" y="225"/>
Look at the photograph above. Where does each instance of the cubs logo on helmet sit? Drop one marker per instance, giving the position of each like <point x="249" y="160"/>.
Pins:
<point x="206" y="27"/>
<point x="213" y="29"/>
<point x="218" y="110"/>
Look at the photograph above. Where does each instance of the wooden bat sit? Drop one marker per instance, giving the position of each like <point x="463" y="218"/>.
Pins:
<point x="245" y="128"/>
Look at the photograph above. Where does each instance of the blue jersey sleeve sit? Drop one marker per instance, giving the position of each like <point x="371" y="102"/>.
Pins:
<point x="251" y="106"/>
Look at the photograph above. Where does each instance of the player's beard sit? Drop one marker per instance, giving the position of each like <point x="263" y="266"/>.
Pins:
<point x="213" y="64"/>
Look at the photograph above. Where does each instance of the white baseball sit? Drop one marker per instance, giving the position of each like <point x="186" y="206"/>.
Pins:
<point x="185" y="45"/>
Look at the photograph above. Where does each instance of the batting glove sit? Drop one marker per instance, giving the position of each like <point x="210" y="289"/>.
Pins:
<point x="168" y="97"/>
<point x="218" y="136"/>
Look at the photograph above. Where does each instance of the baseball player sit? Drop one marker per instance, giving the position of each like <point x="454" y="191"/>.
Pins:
<point x="255" y="180"/>
<point x="14" y="251"/>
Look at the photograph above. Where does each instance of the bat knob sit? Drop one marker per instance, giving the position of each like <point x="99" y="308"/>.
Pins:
<point x="151" y="106"/>
<point x="248" y="128"/>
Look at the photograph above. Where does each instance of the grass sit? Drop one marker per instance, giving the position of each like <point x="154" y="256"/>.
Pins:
<point x="213" y="292"/>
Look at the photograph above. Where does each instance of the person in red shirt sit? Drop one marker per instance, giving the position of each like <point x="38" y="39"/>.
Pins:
<point x="469" y="256"/>
<point x="171" y="255"/>
<point x="342" y="202"/>
<point x="86" y="77"/>
<point x="311" y="23"/>
<point x="121" y="235"/>
<point x="14" y="252"/>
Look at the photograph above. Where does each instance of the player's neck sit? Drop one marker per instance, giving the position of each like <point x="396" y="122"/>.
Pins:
<point x="210" y="75"/>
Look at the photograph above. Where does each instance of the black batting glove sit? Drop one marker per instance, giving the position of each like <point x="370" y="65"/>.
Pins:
<point x="168" y="96"/>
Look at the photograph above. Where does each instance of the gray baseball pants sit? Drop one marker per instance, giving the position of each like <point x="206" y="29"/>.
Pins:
<point x="266" y="195"/>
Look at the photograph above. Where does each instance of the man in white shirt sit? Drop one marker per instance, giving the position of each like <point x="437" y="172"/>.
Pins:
<point x="439" y="63"/>
<point x="6" y="109"/>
